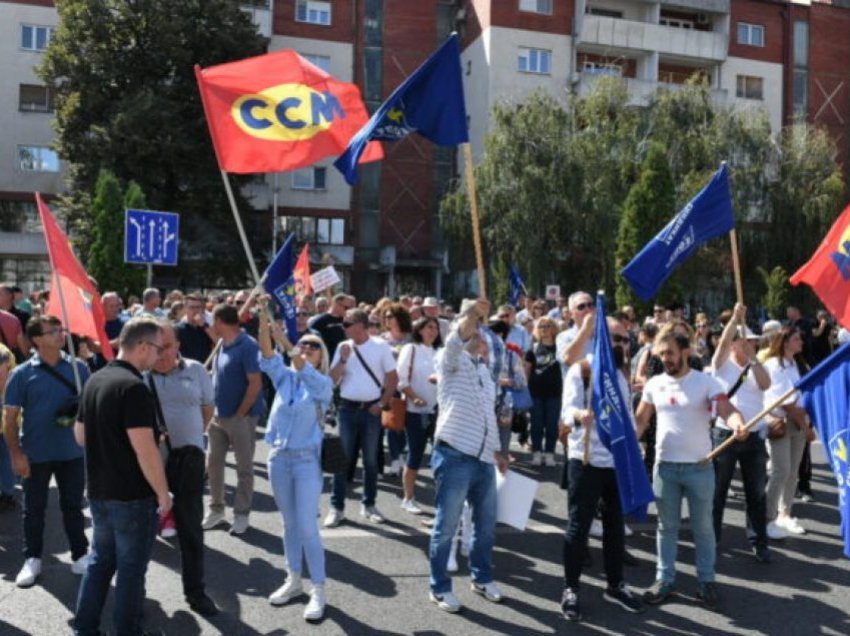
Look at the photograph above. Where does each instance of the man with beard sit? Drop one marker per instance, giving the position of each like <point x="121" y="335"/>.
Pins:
<point x="682" y="399"/>
<point x="591" y="483"/>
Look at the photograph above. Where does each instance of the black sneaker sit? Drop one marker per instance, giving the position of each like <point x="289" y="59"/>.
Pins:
<point x="203" y="605"/>
<point x="569" y="605"/>
<point x="708" y="595"/>
<point x="659" y="592"/>
<point x="763" y="554"/>
<point x="623" y="596"/>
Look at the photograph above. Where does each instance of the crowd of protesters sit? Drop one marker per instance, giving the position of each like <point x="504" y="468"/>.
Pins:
<point x="197" y="374"/>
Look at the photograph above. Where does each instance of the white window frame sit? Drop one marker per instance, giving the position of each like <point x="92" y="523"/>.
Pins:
<point x="527" y="55"/>
<point x="39" y="160"/>
<point x="315" y="9"/>
<point x="48" y="30"/>
<point x="602" y="68"/>
<point x="320" y="61"/>
<point x="536" y="6"/>
<point x="677" y="23"/>
<point x="305" y="178"/>
<point x="745" y="34"/>
<point x="743" y="84"/>
<point x="330" y="231"/>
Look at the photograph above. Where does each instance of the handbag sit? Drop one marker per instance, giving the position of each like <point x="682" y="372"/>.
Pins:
<point x="522" y="400"/>
<point x="333" y="459"/>
<point x="776" y="428"/>
<point x="66" y="415"/>
<point x="395" y="418"/>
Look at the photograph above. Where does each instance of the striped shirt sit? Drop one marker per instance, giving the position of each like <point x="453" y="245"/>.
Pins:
<point x="466" y="398"/>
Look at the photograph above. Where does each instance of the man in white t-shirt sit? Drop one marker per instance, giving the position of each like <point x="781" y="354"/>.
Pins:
<point x="365" y="370"/>
<point x="735" y="364"/>
<point x="682" y="400"/>
<point x="573" y="344"/>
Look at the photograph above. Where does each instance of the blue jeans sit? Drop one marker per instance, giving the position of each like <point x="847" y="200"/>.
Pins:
<point x="7" y="475"/>
<point x="296" y="478"/>
<point x="416" y="429"/>
<point x="544" y="419"/>
<point x="124" y="532"/>
<point x="459" y="477"/>
<point x="396" y="441"/>
<point x="354" y="421"/>
<point x="672" y="481"/>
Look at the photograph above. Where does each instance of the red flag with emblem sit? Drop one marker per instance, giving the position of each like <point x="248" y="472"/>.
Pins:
<point x="828" y="270"/>
<point x="301" y="273"/>
<point x="85" y="313"/>
<point x="279" y="112"/>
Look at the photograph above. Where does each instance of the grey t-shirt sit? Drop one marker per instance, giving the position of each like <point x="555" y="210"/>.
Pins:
<point x="182" y="393"/>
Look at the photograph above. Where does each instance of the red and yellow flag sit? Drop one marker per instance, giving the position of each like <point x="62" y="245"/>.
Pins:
<point x="279" y="112"/>
<point x="301" y="273"/>
<point x="82" y="301"/>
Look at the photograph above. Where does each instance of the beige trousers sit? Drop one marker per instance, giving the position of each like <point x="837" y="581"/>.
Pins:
<point x="785" y="455"/>
<point x="238" y="433"/>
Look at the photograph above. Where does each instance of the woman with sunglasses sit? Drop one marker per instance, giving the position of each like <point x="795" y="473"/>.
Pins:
<point x="398" y="327"/>
<point x="545" y="385"/>
<point x="294" y="433"/>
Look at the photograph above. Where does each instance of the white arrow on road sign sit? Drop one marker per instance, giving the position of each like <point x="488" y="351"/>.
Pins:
<point x="138" y="236"/>
<point x="151" y="245"/>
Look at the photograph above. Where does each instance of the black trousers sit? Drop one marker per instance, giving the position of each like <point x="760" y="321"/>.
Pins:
<point x="588" y="486"/>
<point x="751" y="454"/>
<point x="804" y="474"/>
<point x="185" y="472"/>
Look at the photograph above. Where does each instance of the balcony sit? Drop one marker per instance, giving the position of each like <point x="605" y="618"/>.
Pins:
<point x="606" y="33"/>
<point x="641" y="91"/>
<point x="703" y="6"/>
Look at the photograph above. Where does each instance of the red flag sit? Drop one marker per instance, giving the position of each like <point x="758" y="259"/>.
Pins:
<point x="301" y="273"/>
<point x="828" y="270"/>
<point x="278" y="112"/>
<point x="82" y="302"/>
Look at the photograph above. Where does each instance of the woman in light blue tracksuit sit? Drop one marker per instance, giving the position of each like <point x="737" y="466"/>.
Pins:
<point x="294" y="432"/>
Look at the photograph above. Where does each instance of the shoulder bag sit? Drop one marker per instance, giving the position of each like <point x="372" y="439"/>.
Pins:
<point x="522" y="400"/>
<point x="66" y="415"/>
<point x="393" y="419"/>
<point x="333" y="459"/>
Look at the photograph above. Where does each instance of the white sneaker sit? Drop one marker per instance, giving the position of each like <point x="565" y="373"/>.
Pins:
<point x="395" y="467"/>
<point x="371" y="513"/>
<point x="776" y="531"/>
<point x="549" y="459"/>
<point x="80" y="566"/>
<point x="288" y="591"/>
<point x="446" y="601"/>
<point x="29" y="573"/>
<point x="537" y="459"/>
<point x="627" y="531"/>
<point x="409" y="505"/>
<point x="240" y="524"/>
<point x="490" y="591"/>
<point x="451" y="565"/>
<point x="212" y="519"/>
<point x="315" y="609"/>
<point x="791" y="524"/>
<point x="595" y="528"/>
<point x="334" y="518"/>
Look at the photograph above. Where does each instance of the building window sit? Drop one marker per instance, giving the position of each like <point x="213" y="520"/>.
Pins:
<point x="604" y="13"/>
<point x="677" y="23"/>
<point x="750" y="87"/>
<point x="313" y="12"/>
<point x="309" y="178"/>
<point x="310" y="229"/>
<point x="35" y="99"/>
<point x="602" y="68"/>
<point x="534" y="61"/>
<point x="321" y="61"/>
<point x="801" y="63"/>
<point x="536" y="6"/>
<point x="330" y="231"/>
<point x="750" y="34"/>
<point x="35" y="38"/>
<point x="38" y="159"/>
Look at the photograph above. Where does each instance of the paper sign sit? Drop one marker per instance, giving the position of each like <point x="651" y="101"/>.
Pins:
<point x="553" y="292"/>
<point x="515" y="496"/>
<point x="324" y="278"/>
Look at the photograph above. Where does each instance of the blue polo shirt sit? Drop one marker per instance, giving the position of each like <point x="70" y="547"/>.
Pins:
<point x="39" y="395"/>
<point x="233" y="363"/>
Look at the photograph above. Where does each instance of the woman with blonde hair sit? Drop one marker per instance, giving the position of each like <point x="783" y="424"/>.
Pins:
<point x="545" y="385"/>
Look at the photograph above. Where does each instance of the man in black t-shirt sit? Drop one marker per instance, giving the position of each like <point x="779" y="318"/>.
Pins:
<point x="329" y="325"/>
<point x="195" y="335"/>
<point x="126" y="480"/>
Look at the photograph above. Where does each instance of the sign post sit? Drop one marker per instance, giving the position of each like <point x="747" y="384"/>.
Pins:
<point x="151" y="238"/>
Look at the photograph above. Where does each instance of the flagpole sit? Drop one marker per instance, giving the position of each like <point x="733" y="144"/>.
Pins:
<point x="254" y="292"/>
<point x="68" y="337"/>
<point x="736" y="265"/>
<point x="473" y="209"/>
<point x="239" y="227"/>
<point x="755" y="420"/>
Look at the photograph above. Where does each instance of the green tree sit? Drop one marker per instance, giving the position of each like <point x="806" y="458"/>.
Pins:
<point x="648" y="206"/>
<point x="127" y="101"/>
<point x="106" y="254"/>
<point x="775" y="298"/>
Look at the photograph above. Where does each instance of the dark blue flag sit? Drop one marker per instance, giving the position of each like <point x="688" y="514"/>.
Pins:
<point x="707" y="215"/>
<point x="825" y="389"/>
<point x="517" y="285"/>
<point x="279" y="281"/>
<point x="613" y="421"/>
<point x="429" y="102"/>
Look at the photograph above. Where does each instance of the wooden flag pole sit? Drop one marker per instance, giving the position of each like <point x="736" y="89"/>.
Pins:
<point x="755" y="420"/>
<point x="476" y="227"/>
<point x="736" y="265"/>
<point x="68" y="338"/>
<point x="241" y="229"/>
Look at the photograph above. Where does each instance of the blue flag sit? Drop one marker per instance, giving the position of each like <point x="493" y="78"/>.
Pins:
<point x="429" y="102"/>
<point x="517" y="285"/>
<point x="707" y="215"/>
<point x="612" y="414"/>
<point x="825" y="389"/>
<point x="279" y="281"/>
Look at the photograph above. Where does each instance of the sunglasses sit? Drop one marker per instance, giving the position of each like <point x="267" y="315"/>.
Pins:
<point x="617" y="339"/>
<point x="348" y="323"/>
<point x="303" y="314"/>
<point x="583" y="306"/>
<point x="159" y="348"/>
<point x="504" y="316"/>
<point x="658" y="310"/>
<point x="239" y="303"/>
<point x="309" y="344"/>
<point x="374" y="323"/>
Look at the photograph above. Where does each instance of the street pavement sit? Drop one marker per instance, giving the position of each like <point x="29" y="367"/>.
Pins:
<point x="378" y="575"/>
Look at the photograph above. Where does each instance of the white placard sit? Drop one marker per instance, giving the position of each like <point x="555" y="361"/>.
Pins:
<point x="324" y="278"/>
<point x="515" y="495"/>
<point x="553" y="292"/>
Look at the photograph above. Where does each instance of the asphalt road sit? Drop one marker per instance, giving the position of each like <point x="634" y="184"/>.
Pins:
<point x="378" y="576"/>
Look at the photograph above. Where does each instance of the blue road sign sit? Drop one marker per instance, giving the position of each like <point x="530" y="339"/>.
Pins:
<point x="151" y="237"/>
